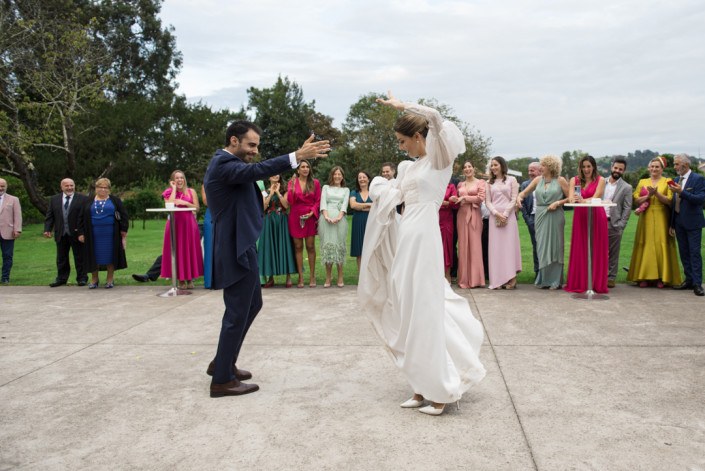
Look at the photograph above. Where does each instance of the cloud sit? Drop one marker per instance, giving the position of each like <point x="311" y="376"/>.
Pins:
<point x="537" y="76"/>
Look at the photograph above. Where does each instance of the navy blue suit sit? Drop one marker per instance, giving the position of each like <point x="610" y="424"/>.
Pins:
<point x="689" y="223"/>
<point x="237" y="215"/>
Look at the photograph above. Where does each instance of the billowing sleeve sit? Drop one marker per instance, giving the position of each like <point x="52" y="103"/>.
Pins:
<point x="317" y="198"/>
<point x="324" y="198"/>
<point x="444" y="141"/>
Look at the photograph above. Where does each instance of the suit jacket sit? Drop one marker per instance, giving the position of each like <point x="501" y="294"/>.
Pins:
<point x="619" y="215"/>
<point x="237" y="211"/>
<point x="85" y="228"/>
<point x="527" y="204"/>
<point x="691" y="207"/>
<point x="55" y="215"/>
<point x="10" y="217"/>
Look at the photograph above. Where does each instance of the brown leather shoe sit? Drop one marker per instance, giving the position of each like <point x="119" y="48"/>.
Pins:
<point x="232" y="388"/>
<point x="610" y="283"/>
<point x="242" y="375"/>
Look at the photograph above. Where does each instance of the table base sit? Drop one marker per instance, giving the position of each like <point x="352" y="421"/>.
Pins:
<point x="590" y="294"/>
<point x="174" y="292"/>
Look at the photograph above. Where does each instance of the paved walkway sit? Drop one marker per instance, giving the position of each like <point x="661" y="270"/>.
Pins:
<point x="116" y="380"/>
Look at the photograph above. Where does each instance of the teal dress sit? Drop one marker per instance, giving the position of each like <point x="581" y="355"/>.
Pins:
<point x="549" y="226"/>
<point x="276" y="252"/>
<point x="359" y="223"/>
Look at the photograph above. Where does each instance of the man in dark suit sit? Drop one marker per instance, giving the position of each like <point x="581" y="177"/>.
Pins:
<point x="62" y="218"/>
<point x="619" y="192"/>
<point x="237" y="215"/>
<point x="528" y="211"/>
<point x="687" y="222"/>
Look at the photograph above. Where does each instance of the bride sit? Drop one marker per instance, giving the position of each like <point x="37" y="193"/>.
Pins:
<point x="429" y="330"/>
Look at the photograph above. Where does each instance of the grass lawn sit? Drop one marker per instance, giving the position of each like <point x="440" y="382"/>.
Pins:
<point x="34" y="260"/>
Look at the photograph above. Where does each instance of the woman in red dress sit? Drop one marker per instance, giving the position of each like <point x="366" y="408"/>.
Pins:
<point x="304" y="197"/>
<point x="591" y="185"/>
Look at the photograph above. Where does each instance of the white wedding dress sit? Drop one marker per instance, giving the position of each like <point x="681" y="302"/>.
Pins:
<point x="427" y="328"/>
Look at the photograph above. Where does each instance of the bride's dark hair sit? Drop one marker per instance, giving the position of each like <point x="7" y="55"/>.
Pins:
<point x="410" y="124"/>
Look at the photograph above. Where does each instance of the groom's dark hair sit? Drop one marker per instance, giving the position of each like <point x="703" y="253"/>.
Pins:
<point x="239" y="129"/>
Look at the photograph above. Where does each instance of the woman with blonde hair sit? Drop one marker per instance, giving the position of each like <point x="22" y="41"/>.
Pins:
<point x="427" y="328"/>
<point x="102" y="228"/>
<point x="189" y="255"/>
<point x="550" y="194"/>
<point x="654" y="258"/>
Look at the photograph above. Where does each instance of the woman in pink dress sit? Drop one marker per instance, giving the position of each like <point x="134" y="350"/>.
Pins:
<point x="504" y="249"/>
<point x="189" y="257"/>
<point x="471" y="194"/>
<point x="591" y="185"/>
<point x="304" y="197"/>
<point x="445" y="219"/>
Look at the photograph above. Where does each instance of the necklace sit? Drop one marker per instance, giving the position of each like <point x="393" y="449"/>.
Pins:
<point x="100" y="203"/>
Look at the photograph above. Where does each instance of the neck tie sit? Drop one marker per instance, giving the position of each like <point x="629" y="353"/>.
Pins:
<point x="66" y="204"/>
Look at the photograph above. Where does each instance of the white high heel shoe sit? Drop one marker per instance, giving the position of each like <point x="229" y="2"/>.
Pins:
<point x="431" y="410"/>
<point x="411" y="403"/>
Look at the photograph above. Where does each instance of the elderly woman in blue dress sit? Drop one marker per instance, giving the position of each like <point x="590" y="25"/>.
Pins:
<point x="102" y="228"/>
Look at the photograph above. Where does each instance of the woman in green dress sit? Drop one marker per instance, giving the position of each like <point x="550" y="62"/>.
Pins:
<point x="333" y="226"/>
<point x="550" y="194"/>
<point x="275" y="252"/>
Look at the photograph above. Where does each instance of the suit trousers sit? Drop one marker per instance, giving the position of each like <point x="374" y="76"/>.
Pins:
<point x="243" y="300"/>
<point x="615" y="241"/>
<point x="8" y="248"/>
<point x="689" y="249"/>
<point x="63" y="265"/>
<point x="532" y="233"/>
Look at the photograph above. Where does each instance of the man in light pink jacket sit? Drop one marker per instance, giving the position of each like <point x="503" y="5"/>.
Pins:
<point x="10" y="229"/>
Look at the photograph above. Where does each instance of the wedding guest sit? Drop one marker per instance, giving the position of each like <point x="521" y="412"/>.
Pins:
<point x="276" y="252"/>
<point x="333" y="226"/>
<point x="445" y="220"/>
<point x="550" y="192"/>
<point x="687" y="222"/>
<point x="10" y="228"/>
<point x="471" y="195"/>
<point x="504" y="247"/>
<point x="388" y="170"/>
<point x="528" y="210"/>
<point x="303" y="194"/>
<point x="618" y="192"/>
<point x="360" y="203"/>
<point x="189" y="257"/>
<point x="62" y="218"/>
<point x="654" y="258"/>
<point x="583" y="188"/>
<point x="102" y="228"/>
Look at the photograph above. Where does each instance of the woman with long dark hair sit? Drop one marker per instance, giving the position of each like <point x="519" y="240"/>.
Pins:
<point x="303" y="194"/>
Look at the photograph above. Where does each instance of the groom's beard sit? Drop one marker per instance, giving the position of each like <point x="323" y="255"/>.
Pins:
<point x="616" y="176"/>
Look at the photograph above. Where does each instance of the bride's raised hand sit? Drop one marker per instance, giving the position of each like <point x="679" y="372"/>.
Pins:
<point x="391" y="101"/>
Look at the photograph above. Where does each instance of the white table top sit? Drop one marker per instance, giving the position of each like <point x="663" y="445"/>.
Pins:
<point x="590" y="205"/>
<point x="170" y="210"/>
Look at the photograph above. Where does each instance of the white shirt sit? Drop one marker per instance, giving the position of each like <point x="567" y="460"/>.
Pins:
<point x="610" y="188"/>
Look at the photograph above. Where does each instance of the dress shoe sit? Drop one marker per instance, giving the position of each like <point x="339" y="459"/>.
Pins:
<point x="57" y="283"/>
<point x="430" y="410"/>
<point x="411" y="403"/>
<point x="81" y="283"/>
<point x="232" y="388"/>
<point x="140" y="278"/>
<point x="241" y="375"/>
<point x="684" y="285"/>
<point x="611" y="283"/>
<point x="698" y="290"/>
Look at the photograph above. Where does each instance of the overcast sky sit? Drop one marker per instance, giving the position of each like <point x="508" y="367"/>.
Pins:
<point x="537" y="76"/>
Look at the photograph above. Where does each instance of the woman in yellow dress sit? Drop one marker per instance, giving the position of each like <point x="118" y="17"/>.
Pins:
<point x="654" y="257"/>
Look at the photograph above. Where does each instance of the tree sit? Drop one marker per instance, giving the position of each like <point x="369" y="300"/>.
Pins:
<point x="570" y="161"/>
<point x="282" y="114"/>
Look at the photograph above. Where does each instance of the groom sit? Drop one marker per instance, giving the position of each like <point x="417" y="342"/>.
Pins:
<point x="236" y="208"/>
